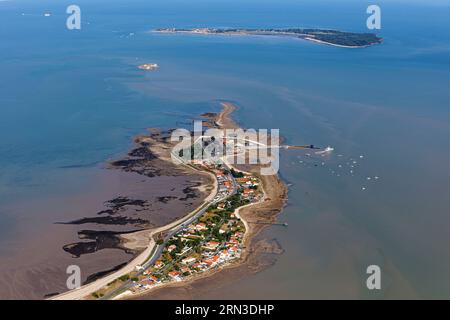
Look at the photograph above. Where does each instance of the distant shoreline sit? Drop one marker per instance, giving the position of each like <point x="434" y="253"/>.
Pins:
<point x="335" y="38"/>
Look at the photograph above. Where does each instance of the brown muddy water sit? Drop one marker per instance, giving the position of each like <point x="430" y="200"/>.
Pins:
<point x="34" y="261"/>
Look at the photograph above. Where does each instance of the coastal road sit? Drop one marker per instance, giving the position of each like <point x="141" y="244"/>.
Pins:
<point x="142" y="259"/>
<point x="153" y="250"/>
<point x="159" y="248"/>
<point x="150" y="254"/>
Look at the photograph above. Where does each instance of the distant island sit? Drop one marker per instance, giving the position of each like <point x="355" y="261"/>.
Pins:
<point x="329" y="37"/>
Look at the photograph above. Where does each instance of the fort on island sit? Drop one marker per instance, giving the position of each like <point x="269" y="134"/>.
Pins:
<point x="149" y="66"/>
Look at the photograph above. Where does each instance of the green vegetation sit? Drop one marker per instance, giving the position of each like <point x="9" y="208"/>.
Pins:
<point x="97" y="295"/>
<point x="210" y="241"/>
<point x="236" y="174"/>
<point x="212" y="207"/>
<point x="124" y="278"/>
<point x="347" y="38"/>
<point x="342" y="38"/>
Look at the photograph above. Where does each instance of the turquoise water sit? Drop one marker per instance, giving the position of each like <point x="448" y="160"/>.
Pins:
<point x="69" y="100"/>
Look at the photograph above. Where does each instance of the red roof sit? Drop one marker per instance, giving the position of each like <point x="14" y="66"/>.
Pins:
<point x="174" y="273"/>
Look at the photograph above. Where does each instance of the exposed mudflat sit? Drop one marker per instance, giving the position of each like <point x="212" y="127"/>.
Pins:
<point x="141" y="190"/>
<point x="134" y="210"/>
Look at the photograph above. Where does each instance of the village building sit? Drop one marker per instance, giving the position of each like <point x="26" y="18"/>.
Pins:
<point x="175" y="275"/>
<point x="188" y="260"/>
<point x="212" y="245"/>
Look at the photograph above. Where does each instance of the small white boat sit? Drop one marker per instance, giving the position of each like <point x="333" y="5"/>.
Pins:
<point x="326" y="150"/>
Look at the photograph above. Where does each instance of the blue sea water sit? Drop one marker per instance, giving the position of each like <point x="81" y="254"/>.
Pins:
<point x="70" y="100"/>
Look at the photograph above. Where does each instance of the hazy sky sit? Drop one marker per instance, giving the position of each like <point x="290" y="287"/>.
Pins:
<point x="406" y="2"/>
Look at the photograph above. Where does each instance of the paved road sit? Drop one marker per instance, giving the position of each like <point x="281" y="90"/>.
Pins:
<point x="153" y="251"/>
<point x="159" y="248"/>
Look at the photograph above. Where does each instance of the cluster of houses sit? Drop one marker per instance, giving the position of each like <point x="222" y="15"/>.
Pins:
<point x="196" y="248"/>
<point x="248" y="187"/>
<point x="247" y="184"/>
<point x="224" y="179"/>
<point x="211" y="254"/>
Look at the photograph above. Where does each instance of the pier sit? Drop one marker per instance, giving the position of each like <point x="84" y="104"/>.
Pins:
<point x="282" y="224"/>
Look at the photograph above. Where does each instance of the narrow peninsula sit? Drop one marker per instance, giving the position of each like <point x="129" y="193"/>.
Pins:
<point x="216" y="236"/>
